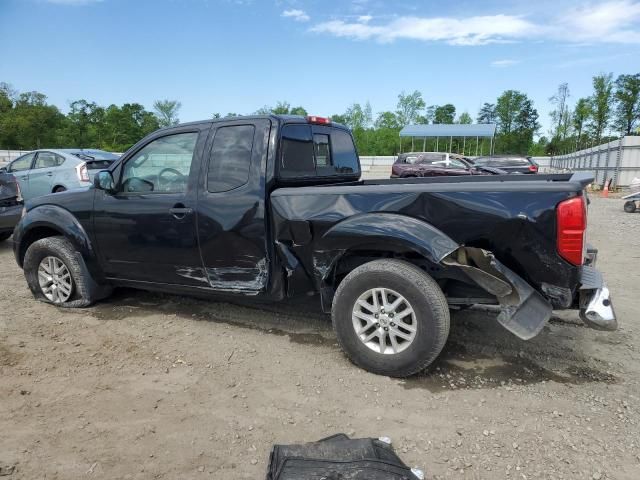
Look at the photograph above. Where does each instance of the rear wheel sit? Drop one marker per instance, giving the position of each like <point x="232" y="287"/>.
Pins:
<point x="57" y="274"/>
<point x="630" y="206"/>
<point x="390" y="318"/>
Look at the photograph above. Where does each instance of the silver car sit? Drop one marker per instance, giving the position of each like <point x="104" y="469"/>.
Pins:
<point x="55" y="170"/>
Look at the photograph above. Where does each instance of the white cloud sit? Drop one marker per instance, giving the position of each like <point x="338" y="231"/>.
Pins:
<point x="297" y="15"/>
<point x="73" y="3"/>
<point x="504" y="63"/>
<point x="616" y="21"/>
<point x="613" y="21"/>
<point x="478" y="30"/>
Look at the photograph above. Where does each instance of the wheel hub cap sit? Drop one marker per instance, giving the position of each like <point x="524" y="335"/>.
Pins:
<point x="384" y="321"/>
<point x="55" y="280"/>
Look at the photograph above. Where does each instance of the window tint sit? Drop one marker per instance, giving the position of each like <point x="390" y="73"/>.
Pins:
<point x="345" y="159"/>
<point x="297" y="152"/>
<point x="230" y="160"/>
<point x="162" y="166"/>
<point x="48" y="160"/>
<point x="22" y="163"/>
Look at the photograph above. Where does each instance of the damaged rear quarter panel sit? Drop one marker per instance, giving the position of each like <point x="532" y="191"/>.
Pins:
<point x="516" y="225"/>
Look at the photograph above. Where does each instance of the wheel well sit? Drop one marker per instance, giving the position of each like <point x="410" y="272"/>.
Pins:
<point x="354" y="258"/>
<point x="32" y="236"/>
<point x="53" y="190"/>
<point x="452" y="281"/>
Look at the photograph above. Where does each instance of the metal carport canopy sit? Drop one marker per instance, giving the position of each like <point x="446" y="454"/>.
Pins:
<point x="449" y="130"/>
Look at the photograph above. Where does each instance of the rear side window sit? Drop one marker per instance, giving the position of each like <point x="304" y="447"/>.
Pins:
<point x="307" y="154"/>
<point x="345" y="159"/>
<point x="297" y="152"/>
<point x="48" y="160"/>
<point x="230" y="160"/>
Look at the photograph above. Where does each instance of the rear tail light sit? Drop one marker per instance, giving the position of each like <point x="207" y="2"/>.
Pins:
<point x="82" y="172"/>
<point x="18" y="193"/>
<point x="572" y="228"/>
<point x="318" y="120"/>
<point x="533" y="168"/>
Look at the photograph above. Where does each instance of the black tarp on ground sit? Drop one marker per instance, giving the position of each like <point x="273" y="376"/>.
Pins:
<point x="338" y="458"/>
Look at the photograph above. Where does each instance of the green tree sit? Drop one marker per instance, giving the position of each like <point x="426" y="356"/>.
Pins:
<point x="409" y="108"/>
<point x="601" y="102"/>
<point x="387" y="120"/>
<point x="83" y="124"/>
<point x="124" y="126"/>
<point x="559" y="114"/>
<point x="465" y="118"/>
<point x="581" y="114"/>
<point x="167" y="112"/>
<point x="627" y="95"/>
<point x="487" y="113"/>
<point x="358" y="117"/>
<point x="517" y="121"/>
<point x="298" y="111"/>
<point x="445" y="114"/>
<point x="32" y="123"/>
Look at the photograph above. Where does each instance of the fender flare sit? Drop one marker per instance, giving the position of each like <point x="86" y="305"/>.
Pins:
<point x="392" y="229"/>
<point x="55" y="218"/>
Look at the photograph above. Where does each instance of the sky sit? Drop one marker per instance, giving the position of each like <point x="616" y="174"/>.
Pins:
<point x="239" y="55"/>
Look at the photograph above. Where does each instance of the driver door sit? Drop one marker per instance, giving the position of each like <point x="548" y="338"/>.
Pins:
<point x="146" y="231"/>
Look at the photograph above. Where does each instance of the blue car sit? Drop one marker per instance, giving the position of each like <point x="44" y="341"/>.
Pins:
<point x="55" y="170"/>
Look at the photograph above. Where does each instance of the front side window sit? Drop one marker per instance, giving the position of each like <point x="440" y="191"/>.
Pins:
<point x="22" y="163"/>
<point x="162" y="166"/>
<point x="48" y="160"/>
<point x="230" y="160"/>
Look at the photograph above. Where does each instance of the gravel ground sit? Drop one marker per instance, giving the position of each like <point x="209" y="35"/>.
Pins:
<point x="153" y="386"/>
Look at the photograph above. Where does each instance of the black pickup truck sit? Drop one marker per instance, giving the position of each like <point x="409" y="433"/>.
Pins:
<point x="270" y="207"/>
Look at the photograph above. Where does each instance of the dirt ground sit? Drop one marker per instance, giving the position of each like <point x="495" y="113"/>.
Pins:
<point x="153" y="386"/>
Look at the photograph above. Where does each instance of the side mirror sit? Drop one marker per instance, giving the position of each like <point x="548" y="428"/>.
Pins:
<point x="3" y="169"/>
<point x="104" y="181"/>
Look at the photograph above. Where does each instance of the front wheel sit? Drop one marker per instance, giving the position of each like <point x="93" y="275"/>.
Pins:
<point x="390" y="317"/>
<point x="57" y="274"/>
<point x="4" y="236"/>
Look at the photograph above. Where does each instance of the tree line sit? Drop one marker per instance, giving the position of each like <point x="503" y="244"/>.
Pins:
<point x="28" y="121"/>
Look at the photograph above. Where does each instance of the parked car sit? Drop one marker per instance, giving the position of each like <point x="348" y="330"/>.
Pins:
<point x="270" y="207"/>
<point x="435" y="164"/>
<point x="10" y="204"/>
<point x="56" y="170"/>
<point x="510" y="164"/>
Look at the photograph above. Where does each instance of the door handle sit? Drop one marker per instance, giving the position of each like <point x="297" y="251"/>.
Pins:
<point x="49" y="174"/>
<point x="180" y="212"/>
<point x="26" y="177"/>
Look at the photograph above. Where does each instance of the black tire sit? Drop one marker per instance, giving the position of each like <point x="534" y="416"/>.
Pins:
<point x="59" y="189"/>
<point x="85" y="290"/>
<point x="630" y="206"/>
<point x="425" y="297"/>
<point x="4" y="236"/>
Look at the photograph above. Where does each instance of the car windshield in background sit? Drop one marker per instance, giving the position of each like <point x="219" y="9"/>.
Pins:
<point x="503" y="162"/>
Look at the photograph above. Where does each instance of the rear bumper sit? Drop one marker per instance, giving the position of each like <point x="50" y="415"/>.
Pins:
<point x="596" y="306"/>
<point x="9" y="217"/>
